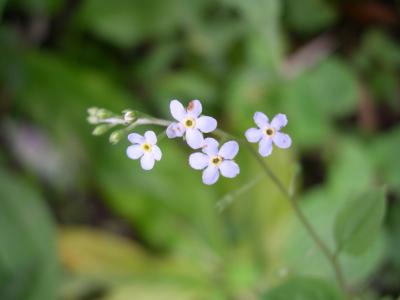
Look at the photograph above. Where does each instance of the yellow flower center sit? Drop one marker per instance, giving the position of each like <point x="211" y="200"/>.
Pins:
<point x="270" y="132"/>
<point x="189" y="123"/>
<point x="146" y="147"/>
<point x="216" y="160"/>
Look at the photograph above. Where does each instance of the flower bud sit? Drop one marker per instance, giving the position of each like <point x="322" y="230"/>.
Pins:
<point x="103" y="113"/>
<point x="129" y="116"/>
<point x="101" y="129"/>
<point x="92" y="111"/>
<point x="92" y="119"/>
<point x="116" y="136"/>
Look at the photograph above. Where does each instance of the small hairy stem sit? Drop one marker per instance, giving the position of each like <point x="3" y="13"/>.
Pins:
<point x="330" y="256"/>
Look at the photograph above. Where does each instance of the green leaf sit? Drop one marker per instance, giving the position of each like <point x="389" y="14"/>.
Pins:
<point x="384" y="155"/>
<point x="300" y="19"/>
<point x="28" y="264"/>
<point x="2" y="5"/>
<point x="105" y="256"/>
<point x="358" y="223"/>
<point x="125" y="23"/>
<point x="165" y="291"/>
<point x="304" y="288"/>
<point x="264" y="45"/>
<point x="96" y="257"/>
<point x="316" y="97"/>
<point x="379" y="59"/>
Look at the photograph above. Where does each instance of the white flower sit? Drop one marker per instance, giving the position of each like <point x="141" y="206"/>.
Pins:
<point x="145" y="148"/>
<point x="213" y="161"/>
<point x="267" y="133"/>
<point x="190" y="122"/>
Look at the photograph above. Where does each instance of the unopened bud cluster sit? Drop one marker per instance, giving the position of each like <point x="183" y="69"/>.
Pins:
<point x="107" y="120"/>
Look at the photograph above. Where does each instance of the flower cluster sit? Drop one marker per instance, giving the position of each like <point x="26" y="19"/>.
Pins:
<point x="191" y="125"/>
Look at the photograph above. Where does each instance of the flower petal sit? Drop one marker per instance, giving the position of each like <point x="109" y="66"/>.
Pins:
<point x="177" y="110"/>
<point x="194" y="108"/>
<point x="194" y="138"/>
<point x="265" y="146"/>
<point x="135" y="138"/>
<point x="134" y="151"/>
<point x="279" y="121"/>
<point x="253" y="135"/>
<point x="282" y="140"/>
<point x="210" y="175"/>
<point x="150" y="137"/>
<point x="229" y="150"/>
<point x="261" y="119"/>
<point x="156" y="151"/>
<point x="210" y="146"/>
<point x="229" y="168"/>
<point x="198" y="161"/>
<point x="206" y="124"/>
<point x="175" y="130"/>
<point x="147" y="161"/>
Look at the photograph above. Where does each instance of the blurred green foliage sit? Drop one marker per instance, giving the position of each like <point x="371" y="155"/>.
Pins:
<point x="79" y="220"/>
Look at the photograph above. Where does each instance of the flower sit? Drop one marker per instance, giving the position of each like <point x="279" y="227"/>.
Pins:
<point x="213" y="161"/>
<point x="266" y="133"/>
<point x="145" y="148"/>
<point x="190" y="122"/>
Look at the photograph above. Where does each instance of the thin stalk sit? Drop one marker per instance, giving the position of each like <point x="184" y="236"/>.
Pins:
<point x="330" y="256"/>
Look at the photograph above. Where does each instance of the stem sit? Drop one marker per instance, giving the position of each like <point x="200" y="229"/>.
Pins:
<point x="330" y="256"/>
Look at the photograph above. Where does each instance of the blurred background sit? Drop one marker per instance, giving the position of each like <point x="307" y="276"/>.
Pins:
<point x="80" y="221"/>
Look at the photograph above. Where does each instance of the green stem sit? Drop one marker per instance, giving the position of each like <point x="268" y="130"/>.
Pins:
<point x="330" y="256"/>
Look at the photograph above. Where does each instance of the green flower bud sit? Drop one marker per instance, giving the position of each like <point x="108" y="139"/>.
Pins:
<point x="103" y="113"/>
<point x="92" y="111"/>
<point x="92" y="119"/>
<point x="116" y="136"/>
<point x="101" y="129"/>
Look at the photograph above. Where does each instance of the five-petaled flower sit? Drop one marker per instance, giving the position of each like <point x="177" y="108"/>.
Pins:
<point x="266" y="133"/>
<point x="145" y="148"/>
<point x="190" y="122"/>
<point x="214" y="161"/>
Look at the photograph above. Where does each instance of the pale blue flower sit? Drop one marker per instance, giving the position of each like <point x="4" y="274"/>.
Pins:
<point x="268" y="133"/>
<point x="145" y="148"/>
<point x="190" y="123"/>
<point x="214" y="161"/>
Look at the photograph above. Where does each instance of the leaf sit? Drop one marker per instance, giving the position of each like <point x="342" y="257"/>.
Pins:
<point x="125" y="23"/>
<point x="316" y="97"/>
<point x="378" y="59"/>
<point x="384" y="154"/>
<point x="264" y="45"/>
<point x="28" y="265"/>
<point x="2" y="5"/>
<point x="99" y="258"/>
<point x="304" y="288"/>
<point x="300" y="19"/>
<point x="358" y="223"/>
<point x="295" y="252"/>
<point x="163" y="291"/>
